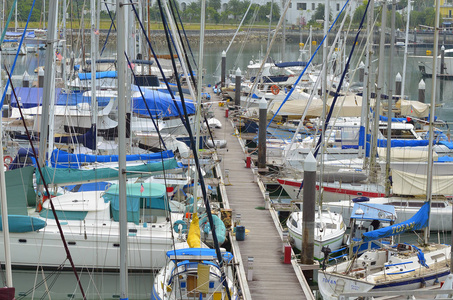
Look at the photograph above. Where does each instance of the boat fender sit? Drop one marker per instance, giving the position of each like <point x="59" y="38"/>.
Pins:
<point x="360" y="199"/>
<point x="176" y="226"/>
<point x="275" y="89"/>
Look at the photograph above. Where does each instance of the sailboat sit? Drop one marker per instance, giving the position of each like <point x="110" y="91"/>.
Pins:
<point x="403" y="266"/>
<point x="329" y="231"/>
<point x="193" y="271"/>
<point x="398" y="267"/>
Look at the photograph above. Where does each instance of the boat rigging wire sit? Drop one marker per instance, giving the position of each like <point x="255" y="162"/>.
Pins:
<point x="197" y="162"/>
<point x="35" y="154"/>
<point x="337" y="92"/>
<point x="306" y="66"/>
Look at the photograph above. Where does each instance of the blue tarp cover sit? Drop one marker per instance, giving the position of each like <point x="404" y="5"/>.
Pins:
<point x="373" y="211"/>
<point x="99" y="75"/>
<point x="402" y="143"/>
<point x="64" y="159"/>
<point x="227" y="256"/>
<point x="445" y="159"/>
<point x="384" y="119"/>
<point x="447" y="144"/>
<point x="160" y="104"/>
<point x="417" y="222"/>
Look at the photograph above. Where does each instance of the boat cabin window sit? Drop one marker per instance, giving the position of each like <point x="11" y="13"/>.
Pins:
<point x="327" y="225"/>
<point x="293" y="222"/>
<point x="399" y="133"/>
<point x="416" y="204"/>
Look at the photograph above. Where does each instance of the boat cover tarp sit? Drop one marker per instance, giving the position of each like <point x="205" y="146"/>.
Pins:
<point x="402" y="143"/>
<point x="405" y="183"/>
<point x="204" y="252"/>
<point x="287" y="64"/>
<point x="19" y="190"/>
<point x="346" y="106"/>
<point x="417" y="222"/>
<point x="63" y="176"/>
<point x="23" y="224"/>
<point x="160" y="105"/>
<point x="445" y="159"/>
<point x="373" y="211"/>
<point x="63" y="159"/>
<point x="447" y="144"/>
<point x="296" y="107"/>
<point x="99" y="75"/>
<point x="413" y="108"/>
<point x="139" y="195"/>
<point x="385" y="119"/>
<point x="32" y="97"/>
<point x="405" y="154"/>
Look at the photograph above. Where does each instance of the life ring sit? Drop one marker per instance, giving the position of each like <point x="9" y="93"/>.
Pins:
<point x="176" y="226"/>
<point x="7" y="159"/>
<point x="5" y="166"/>
<point x="275" y="89"/>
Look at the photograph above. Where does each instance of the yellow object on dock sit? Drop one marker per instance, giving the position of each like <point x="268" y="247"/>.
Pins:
<point x="428" y="52"/>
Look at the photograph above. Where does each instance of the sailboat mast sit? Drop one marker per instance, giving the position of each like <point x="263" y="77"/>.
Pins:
<point x="431" y="118"/>
<point x="49" y="82"/>
<point x="377" y="106"/>
<point x="390" y="101"/>
<point x="199" y="83"/>
<point x="366" y="85"/>
<point x="4" y="205"/>
<point x="94" y="106"/>
<point x="406" y="41"/>
<point x="122" y="102"/>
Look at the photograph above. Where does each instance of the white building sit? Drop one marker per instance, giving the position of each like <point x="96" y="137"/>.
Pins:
<point x="299" y="11"/>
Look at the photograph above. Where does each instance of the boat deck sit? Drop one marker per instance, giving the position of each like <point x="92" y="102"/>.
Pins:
<point x="271" y="278"/>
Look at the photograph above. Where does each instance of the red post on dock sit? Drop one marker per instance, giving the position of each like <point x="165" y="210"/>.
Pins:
<point x="226" y="113"/>
<point x="248" y="162"/>
<point x="287" y="254"/>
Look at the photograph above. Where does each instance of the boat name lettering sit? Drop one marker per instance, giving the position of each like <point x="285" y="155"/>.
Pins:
<point x="331" y="281"/>
<point x="403" y="227"/>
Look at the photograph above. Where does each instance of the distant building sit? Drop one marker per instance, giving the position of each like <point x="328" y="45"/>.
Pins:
<point x="299" y="11"/>
<point x="446" y="7"/>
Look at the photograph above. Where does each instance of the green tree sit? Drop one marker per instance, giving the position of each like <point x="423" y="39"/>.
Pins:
<point x="235" y="8"/>
<point x="215" y="4"/>
<point x="319" y="13"/>
<point x="358" y="13"/>
<point x="213" y="15"/>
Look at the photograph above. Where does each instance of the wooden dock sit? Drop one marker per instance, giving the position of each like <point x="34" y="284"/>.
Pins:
<point x="268" y="277"/>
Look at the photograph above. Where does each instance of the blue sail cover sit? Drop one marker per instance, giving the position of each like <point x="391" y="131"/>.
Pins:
<point x="32" y="97"/>
<point x="417" y="222"/>
<point x="160" y="104"/>
<point x="99" y="75"/>
<point x="402" y="143"/>
<point x="63" y="159"/>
